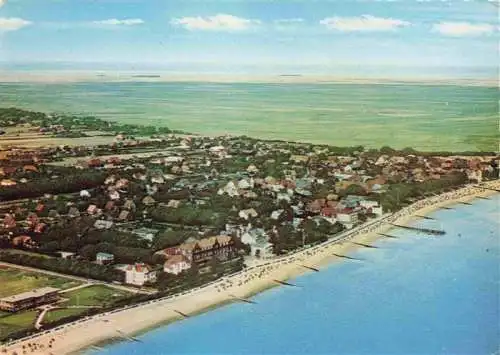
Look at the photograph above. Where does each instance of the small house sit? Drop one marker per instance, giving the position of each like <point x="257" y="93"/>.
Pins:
<point x="176" y="264"/>
<point x="104" y="258"/>
<point x="139" y="274"/>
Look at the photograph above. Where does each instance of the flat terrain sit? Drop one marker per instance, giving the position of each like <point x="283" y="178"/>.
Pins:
<point x="16" y="322"/>
<point x="96" y="295"/>
<point x="34" y="140"/>
<point x="78" y="301"/>
<point x="425" y="117"/>
<point x="15" y="281"/>
<point x="58" y="314"/>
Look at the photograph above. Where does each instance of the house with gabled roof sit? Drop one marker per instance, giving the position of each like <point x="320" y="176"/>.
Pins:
<point x="92" y="209"/>
<point x="129" y="205"/>
<point x="74" y="212"/>
<point x="124" y="215"/>
<point x="104" y="258"/>
<point x="176" y="264"/>
<point x="139" y="274"/>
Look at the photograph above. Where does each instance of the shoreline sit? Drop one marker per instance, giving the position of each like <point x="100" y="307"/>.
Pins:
<point x="106" y="328"/>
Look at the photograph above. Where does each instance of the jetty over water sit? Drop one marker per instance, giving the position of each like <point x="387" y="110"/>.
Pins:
<point x="466" y="203"/>
<point x="424" y="217"/>
<point x="127" y="337"/>
<point x="423" y="230"/>
<point x="310" y="268"/>
<point x="284" y="283"/>
<point x="184" y="315"/>
<point x="446" y="208"/>
<point x="365" y="245"/>
<point x="483" y="198"/>
<point x="345" y="257"/>
<point x="244" y="300"/>
<point x="388" y="235"/>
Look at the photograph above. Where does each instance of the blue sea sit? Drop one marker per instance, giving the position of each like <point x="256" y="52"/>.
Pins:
<point x="412" y="295"/>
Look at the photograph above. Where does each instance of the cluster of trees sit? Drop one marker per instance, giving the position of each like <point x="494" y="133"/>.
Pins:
<point x="123" y="255"/>
<point x="312" y="232"/>
<point x="63" y="184"/>
<point x="399" y="194"/>
<point x="66" y="266"/>
<point x="170" y="284"/>
<point x="185" y="215"/>
<point x="14" y="116"/>
<point x="171" y="238"/>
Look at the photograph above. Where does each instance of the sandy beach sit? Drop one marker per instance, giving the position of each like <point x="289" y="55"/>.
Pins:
<point x="71" y="338"/>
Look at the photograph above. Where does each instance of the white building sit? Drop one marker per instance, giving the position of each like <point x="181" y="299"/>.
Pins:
<point x="229" y="189"/>
<point x="348" y="219"/>
<point x="248" y="213"/>
<point x="259" y="243"/>
<point x="138" y="274"/>
<point x="373" y="206"/>
<point x="176" y="264"/>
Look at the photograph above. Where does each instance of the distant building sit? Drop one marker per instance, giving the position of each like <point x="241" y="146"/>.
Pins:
<point x="260" y="247"/>
<point x="146" y="233"/>
<point x="104" y="258"/>
<point x="139" y="274"/>
<point x="220" y="247"/>
<point x="176" y="264"/>
<point x="29" y="299"/>
<point x="348" y="218"/>
<point x="66" y="254"/>
<point x="103" y="224"/>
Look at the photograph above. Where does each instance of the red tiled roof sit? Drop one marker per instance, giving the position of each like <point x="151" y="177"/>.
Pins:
<point x="176" y="259"/>
<point x="139" y="268"/>
<point x="328" y="212"/>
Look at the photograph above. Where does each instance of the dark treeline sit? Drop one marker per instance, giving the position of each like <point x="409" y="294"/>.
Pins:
<point x="66" y="266"/>
<point x="13" y="116"/>
<point x="398" y="195"/>
<point x="63" y="184"/>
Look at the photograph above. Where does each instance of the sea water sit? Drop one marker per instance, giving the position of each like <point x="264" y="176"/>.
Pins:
<point x="416" y="294"/>
<point x="425" y="117"/>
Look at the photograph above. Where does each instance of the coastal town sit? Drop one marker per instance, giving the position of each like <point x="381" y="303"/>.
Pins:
<point x="149" y="213"/>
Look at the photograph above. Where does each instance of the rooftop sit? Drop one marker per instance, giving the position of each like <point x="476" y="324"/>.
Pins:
<point x="39" y="292"/>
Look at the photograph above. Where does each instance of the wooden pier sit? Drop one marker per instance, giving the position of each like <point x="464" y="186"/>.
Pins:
<point x="309" y="268"/>
<point x="388" y="235"/>
<point x="483" y="198"/>
<point x="424" y="217"/>
<point x="184" y="315"/>
<point x="423" y="230"/>
<point x="345" y="257"/>
<point x="127" y="337"/>
<point x="284" y="283"/>
<point x="244" y="300"/>
<point x="365" y="245"/>
<point x="446" y="208"/>
<point x="465" y="203"/>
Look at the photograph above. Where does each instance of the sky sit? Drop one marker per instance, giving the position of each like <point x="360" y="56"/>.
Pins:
<point x="287" y="36"/>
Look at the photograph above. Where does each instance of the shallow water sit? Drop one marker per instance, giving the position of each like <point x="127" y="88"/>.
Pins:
<point x="413" y="295"/>
<point x="426" y="117"/>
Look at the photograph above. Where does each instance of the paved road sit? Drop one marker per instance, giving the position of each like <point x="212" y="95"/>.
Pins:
<point x="87" y="281"/>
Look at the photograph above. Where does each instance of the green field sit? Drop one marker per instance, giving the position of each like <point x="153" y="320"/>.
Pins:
<point x="97" y="295"/>
<point x="93" y="296"/>
<point x="58" y="314"/>
<point x="16" y="322"/>
<point x="425" y="117"/>
<point x="14" y="281"/>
